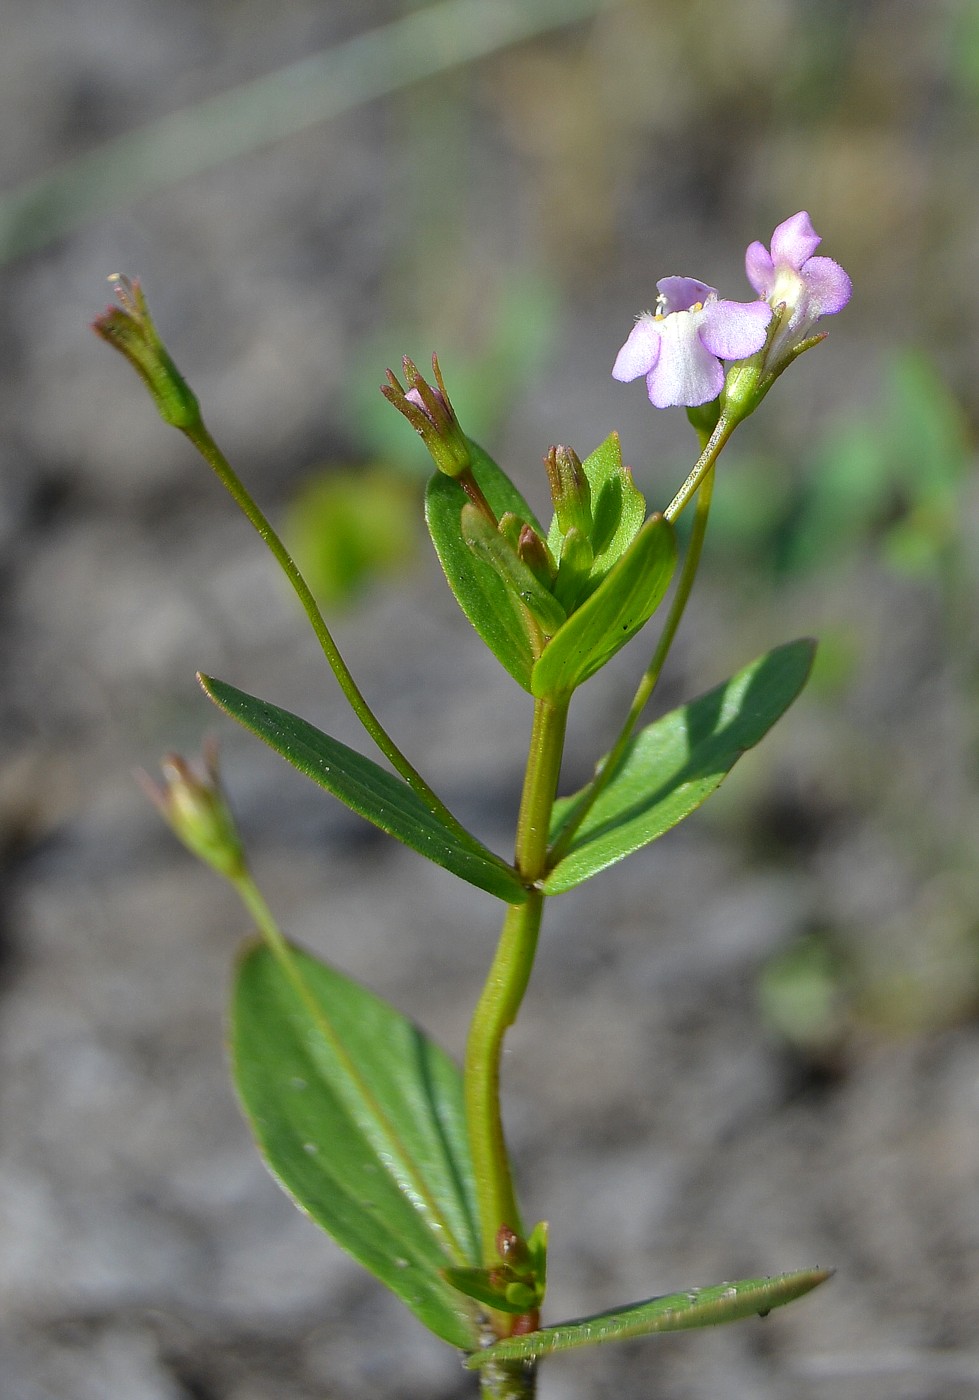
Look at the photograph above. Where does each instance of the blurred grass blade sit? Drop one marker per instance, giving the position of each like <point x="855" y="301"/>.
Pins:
<point x="257" y="113"/>
<point x="698" y="1307"/>
<point x="369" y="790"/>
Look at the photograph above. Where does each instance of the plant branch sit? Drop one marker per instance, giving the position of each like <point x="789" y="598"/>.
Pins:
<point x="215" y="458"/>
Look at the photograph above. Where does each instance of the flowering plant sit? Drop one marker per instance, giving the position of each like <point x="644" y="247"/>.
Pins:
<point x="374" y="1130"/>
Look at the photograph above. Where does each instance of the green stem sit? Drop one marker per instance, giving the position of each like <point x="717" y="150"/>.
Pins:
<point x="508" y="1380"/>
<point x="507" y="982"/>
<point x="726" y="425"/>
<point x="540" y="787"/>
<point x="254" y="901"/>
<point x="232" y="483"/>
<point x="495" y="1013"/>
<point x="653" y="672"/>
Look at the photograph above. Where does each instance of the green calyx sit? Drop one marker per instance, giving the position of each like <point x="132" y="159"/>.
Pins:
<point x="129" y="328"/>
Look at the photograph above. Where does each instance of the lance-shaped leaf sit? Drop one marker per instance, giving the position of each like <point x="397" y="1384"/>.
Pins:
<point x="371" y="791"/>
<point x="360" y="1119"/>
<point x="672" y="766"/>
<point x="697" y="1307"/>
<point x="622" y="603"/>
<point x="490" y="605"/>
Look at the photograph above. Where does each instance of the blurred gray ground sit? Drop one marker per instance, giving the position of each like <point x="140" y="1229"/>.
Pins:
<point x="668" y="1136"/>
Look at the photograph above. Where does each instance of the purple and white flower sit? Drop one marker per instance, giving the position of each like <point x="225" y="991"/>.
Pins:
<point x="802" y="288"/>
<point x="679" y="346"/>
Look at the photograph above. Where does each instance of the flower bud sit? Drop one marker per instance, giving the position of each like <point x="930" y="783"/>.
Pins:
<point x="528" y="546"/>
<point x="510" y="1247"/>
<point x="432" y="416"/>
<point x="528" y="593"/>
<point x="130" y="329"/>
<point x="570" y="491"/>
<point x="532" y="550"/>
<point x="196" y="810"/>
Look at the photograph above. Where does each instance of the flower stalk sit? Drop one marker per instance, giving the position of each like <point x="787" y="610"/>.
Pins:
<point x="130" y="329"/>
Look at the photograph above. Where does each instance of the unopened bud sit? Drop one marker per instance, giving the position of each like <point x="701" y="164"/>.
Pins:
<point x="529" y="594"/>
<point x="510" y="1247"/>
<point x="570" y="491"/>
<point x="130" y="329"/>
<point x="534" y="553"/>
<point x="195" y="808"/>
<point x="430" y="412"/>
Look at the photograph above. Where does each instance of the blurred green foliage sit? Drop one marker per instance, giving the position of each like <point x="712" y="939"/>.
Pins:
<point x="485" y="374"/>
<point x="885" y="478"/>
<point x="802" y="994"/>
<point x="348" y="525"/>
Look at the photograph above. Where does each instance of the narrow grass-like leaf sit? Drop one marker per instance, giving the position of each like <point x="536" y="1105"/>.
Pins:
<point x="360" y="1118"/>
<point x="371" y="791"/>
<point x="491" y="607"/>
<point x="622" y="603"/>
<point x="672" y="766"/>
<point x="698" y="1307"/>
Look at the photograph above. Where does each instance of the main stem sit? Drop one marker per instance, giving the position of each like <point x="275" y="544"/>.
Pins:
<point x="495" y="1013"/>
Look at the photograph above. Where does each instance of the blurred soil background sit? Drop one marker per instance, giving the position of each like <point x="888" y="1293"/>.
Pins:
<point x="752" y="1047"/>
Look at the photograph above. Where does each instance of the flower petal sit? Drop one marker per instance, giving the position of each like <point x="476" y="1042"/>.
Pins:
<point x="794" y="241"/>
<point x="733" y="329"/>
<point x="686" y="373"/>
<point x="681" y="293"/>
<point x="827" y="285"/>
<point x="640" y="352"/>
<point x="760" y="268"/>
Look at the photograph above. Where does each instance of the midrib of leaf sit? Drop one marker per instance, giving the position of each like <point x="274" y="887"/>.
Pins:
<point x="419" y="1194"/>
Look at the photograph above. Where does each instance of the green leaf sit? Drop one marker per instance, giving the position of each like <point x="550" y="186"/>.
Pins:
<point x="672" y="766"/>
<point x="479" y="1284"/>
<point x="360" y="1119"/>
<point x="623" y="602"/>
<point x="369" y="790"/>
<point x="489" y="604"/>
<point x="698" y="1307"/>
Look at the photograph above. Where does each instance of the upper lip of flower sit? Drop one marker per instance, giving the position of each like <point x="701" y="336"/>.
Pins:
<point x="808" y="287"/>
